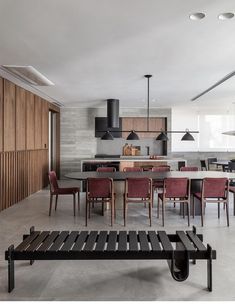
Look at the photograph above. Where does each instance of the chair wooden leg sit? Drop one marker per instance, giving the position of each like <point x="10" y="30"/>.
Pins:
<point x="163" y="212"/>
<point x="112" y="211"/>
<point x="56" y="200"/>
<point x="150" y="213"/>
<point x="124" y="212"/>
<point x="188" y="206"/>
<point x="193" y="208"/>
<point x="114" y="205"/>
<point x="227" y="212"/>
<point x="78" y="202"/>
<point x="51" y="200"/>
<point x="158" y="207"/>
<point x="102" y="208"/>
<point x="202" y="210"/>
<point x="183" y="204"/>
<point x="74" y="204"/>
<point x="218" y="210"/>
<point x="86" y="217"/>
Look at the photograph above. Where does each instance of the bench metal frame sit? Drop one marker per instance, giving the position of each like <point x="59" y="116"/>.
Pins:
<point x="178" y="249"/>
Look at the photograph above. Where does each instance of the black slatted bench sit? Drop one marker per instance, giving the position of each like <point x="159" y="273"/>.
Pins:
<point x="178" y="249"/>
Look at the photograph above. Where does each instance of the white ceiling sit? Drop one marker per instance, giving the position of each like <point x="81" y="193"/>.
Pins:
<point x="98" y="49"/>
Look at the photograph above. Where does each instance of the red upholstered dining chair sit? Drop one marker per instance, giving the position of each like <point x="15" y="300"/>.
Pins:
<point x="158" y="184"/>
<point x="132" y="169"/>
<point x="56" y="190"/>
<point x="100" y="190"/>
<point x="214" y="190"/>
<point x="176" y="190"/>
<point x="138" y="190"/>
<point x="191" y="168"/>
<point x="106" y="169"/>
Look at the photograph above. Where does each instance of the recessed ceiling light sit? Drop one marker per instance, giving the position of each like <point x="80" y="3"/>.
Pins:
<point x="28" y="74"/>
<point x="225" y="16"/>
<point x="197" y="16"/>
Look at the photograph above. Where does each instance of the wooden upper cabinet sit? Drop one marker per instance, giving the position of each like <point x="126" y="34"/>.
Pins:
<point x="9" y="113"/>
<point x="1" y="114"/>
<point x="140" y="124"/>
<point x="30" y="118"/>
<point x="38" y="122"/>
<point x="127" y="125"/>
<point x="45" y="124"/>
<point x="20" y="119"/>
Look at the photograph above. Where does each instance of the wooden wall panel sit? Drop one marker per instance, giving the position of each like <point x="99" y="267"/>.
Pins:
<point x="20" y="119"/>
<point x="30" y="117"/>
<point x="1" y="114"/>
<point x="9" y="116"/>
<point x="22" y="173"/>
<point x="45" y="125"/>
<point x="38" y="122"/>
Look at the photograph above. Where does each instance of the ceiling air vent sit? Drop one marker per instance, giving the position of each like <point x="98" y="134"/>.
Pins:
<point x="28" y="74"/>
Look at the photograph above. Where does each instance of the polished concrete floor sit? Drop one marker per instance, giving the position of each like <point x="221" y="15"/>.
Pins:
<point x="113" y="280"/>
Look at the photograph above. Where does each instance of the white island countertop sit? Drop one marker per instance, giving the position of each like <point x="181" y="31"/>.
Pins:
<point x="134" y="159"/>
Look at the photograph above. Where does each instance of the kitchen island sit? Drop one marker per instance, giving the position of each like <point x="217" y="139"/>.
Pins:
<point x="121" y="162"/>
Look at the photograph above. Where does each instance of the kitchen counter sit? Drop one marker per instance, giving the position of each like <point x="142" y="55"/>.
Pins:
<point x="134" y="161"/>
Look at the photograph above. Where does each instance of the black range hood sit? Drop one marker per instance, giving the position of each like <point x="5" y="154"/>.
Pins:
<point x="112" y="113"/>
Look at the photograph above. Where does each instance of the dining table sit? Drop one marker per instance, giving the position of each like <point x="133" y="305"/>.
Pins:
<point x="195" y="177"/>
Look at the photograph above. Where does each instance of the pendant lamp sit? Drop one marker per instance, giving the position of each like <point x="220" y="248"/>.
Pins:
<point x="107" y="136"/>
<point x="132" y="136"/>
<point x="187" y="136"/>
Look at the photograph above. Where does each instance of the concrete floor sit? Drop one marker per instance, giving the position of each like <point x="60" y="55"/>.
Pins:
<point x="113" y="280"/>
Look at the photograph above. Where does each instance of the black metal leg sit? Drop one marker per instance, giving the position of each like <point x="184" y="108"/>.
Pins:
<point x="11" y="270"/>
<point x="209" y="268"/>
<point x="31" y="232"/>
<point x="195" y="232"/>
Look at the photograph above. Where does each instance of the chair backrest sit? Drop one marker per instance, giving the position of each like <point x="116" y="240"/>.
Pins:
<point x="132" y="169"/>
<point x="215" y="187"/>
<point x="99" y="187"/>
<point x="161" y="169"/>
<point x="192" y="168"/>
<point x="53" y="181"/>
<point x="231" y="166"/>
<point x="138" y="187"/>
<point x="176" y="187"/>
<point x="106" y="169"/>
<point x="203" y="164"/>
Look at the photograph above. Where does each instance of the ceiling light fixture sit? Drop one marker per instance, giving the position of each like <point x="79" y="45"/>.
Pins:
<point x="132" y="136"/>
<point x="28" y="74"/>
<point x="197" y="16"/>
<point x="162" y="136"/>
<point x="107" y="136"/>
<point x="187" y="136"/>
<point x="226" y="16"/>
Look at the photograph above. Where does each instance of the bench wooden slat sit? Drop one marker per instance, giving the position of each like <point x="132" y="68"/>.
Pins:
<point x="35" y="244"/>
<point x="133" y="241"/>
<point x="78" y="245"/>
<point x="90" y="241"/>
<point x="70" y="241"/>
<point x="165" y="241"/>
<point x="185" y="241"/>
<point x="154" y="241"/>
<point x="59" y="241"/>
<point x="48" y="241"/>
<point x="122" y="241"/>
<point x="112" y="239"/>
<point x="143" y="238"/>
<point x="100" y="245"/>
<point x="26" y="242"/>
<point x="198" y="243"/>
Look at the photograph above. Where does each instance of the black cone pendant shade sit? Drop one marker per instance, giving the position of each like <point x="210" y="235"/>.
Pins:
<point x="162" y="137"/>
<point x="107" y="136"/>
<point x="132" y="136"/>
<point x="187" y="136"/>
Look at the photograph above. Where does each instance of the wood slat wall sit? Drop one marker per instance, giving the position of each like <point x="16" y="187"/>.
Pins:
<point x="24" y="143"/>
